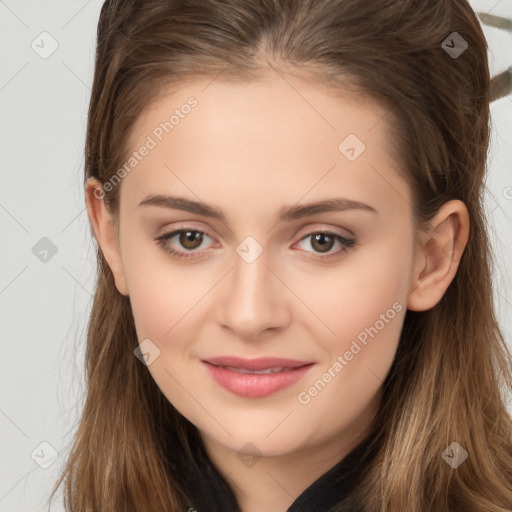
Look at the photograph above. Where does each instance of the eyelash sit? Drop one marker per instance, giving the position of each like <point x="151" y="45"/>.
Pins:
<point x="162" y="241"/>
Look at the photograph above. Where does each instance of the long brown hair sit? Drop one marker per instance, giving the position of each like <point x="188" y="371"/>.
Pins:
<point x="452" y="372"/>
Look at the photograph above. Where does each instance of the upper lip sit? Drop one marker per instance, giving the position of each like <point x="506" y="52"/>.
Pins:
<point x="261" y="363"/>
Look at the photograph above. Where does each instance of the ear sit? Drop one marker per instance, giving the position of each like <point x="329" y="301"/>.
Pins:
<point x="437" y="255"/>
<point x="104" y="228"/>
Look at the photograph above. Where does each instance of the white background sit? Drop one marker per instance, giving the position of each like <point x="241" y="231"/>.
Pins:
<point x="44" y="306"/>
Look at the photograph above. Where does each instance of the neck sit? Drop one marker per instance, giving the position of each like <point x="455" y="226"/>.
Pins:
<point x="282" y="477"/>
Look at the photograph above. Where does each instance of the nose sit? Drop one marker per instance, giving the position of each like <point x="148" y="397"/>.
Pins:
<point x="254" y="299"/>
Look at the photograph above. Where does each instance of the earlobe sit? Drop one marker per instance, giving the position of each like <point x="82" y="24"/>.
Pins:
<point x="103" y="226"/>
<point x="437" y="256"/>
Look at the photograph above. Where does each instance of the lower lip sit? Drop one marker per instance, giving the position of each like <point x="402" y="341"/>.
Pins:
<point x="254" y="385"/>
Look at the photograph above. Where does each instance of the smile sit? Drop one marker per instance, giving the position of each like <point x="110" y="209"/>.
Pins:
<point x="252" y="383"/>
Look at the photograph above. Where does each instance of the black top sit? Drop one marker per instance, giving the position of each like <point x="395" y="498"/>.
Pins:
<point x="331" y="492"/>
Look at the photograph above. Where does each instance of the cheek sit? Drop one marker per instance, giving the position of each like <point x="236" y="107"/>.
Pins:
<point x="164" y="306"/>
<point x="365" y="286"/>
<point x="159" y="293"/>
<point x="364" y="306"/>
<point x="160" y="304"/>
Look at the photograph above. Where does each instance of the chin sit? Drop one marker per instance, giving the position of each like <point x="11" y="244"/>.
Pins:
<point x="257" y="443"/>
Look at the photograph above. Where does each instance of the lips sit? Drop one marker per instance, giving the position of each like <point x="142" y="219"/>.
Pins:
<point x="256" y="378"/>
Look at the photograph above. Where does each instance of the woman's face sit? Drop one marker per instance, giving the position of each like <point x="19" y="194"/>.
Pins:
<point x="268" y="277"/>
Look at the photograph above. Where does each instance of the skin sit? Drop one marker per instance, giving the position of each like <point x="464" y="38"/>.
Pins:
<point x="249" y="150"/>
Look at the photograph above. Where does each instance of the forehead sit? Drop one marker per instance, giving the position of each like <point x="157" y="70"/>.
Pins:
<point x="278" y="137"/>
<point x="280" y="104"/>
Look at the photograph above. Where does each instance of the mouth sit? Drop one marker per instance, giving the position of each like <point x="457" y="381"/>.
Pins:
<point x="266" y="371"/>
<point x="256" y="378"/>
<point x="261" y="363"/>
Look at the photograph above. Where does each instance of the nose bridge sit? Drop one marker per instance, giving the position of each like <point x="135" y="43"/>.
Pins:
<point x="254" y="301"/>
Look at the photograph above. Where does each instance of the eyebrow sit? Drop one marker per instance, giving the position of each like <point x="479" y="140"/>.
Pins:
<point x="286" y="213"/>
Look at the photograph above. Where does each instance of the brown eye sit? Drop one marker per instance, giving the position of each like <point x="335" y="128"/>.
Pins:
<point x="322" y="242"/>
<point x="186" y="242"/>
<point x="190" y="239"/>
